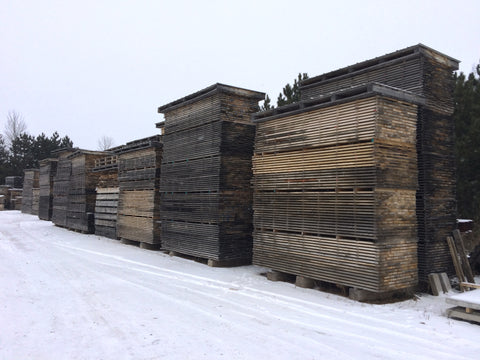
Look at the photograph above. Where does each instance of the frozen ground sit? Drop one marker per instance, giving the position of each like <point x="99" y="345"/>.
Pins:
<point x="70" y="296"/>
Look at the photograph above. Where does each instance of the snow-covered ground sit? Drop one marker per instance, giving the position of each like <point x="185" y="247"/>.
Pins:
<point x="66" y="295"/>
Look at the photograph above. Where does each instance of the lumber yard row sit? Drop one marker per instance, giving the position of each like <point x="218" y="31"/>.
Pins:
<point x="354" y="185"/>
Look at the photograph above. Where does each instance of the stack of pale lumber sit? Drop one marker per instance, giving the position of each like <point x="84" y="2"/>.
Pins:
<point x="335" y="189"/>
<point x="107" y="192"/>
<point x="30" y="193"/>
<point x="138" y="217"/>
<point x="429" y="74"/>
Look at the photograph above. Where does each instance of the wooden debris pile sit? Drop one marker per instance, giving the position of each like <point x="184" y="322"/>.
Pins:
<point x="106" y="202"/>
<point x="206" y="171"/>
<point x="48" y="170"/>
<point x="331" y="199"/>
<point x="426" y="73"/>
<point x="30" y="193"/>
<point x="139" y="198"/>
<point x="81" y="192"/>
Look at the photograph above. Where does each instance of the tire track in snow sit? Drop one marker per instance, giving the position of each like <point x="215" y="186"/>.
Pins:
<point x="299" y="305"/>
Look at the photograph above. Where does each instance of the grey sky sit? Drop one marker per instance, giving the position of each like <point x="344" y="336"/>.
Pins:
<point x="93" y="68"/>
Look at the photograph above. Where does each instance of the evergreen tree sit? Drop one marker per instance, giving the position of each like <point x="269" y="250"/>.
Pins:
<point x="467" y="143"/>
<point x="4" y="171"/>
<point x="266" y="104"/>
<point x="291" y="94"/>
<point x="21" y="154"/>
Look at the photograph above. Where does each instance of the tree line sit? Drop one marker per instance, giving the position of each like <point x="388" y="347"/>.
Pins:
<point x="19" y="150"/>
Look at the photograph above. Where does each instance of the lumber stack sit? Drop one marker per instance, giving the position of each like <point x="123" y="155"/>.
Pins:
<point x="15" y="182"/>
<point x="48" y="170"/>
<point x="81" y="192"/>
<point x="335" y="189"/>
<point x="15" y="196"/>
<point x="107" y="191"/>
<point x="4" y="197"/>
<point x="138" y="217"/>
<point x="61" y="187"/>
<point x="206" y="172"/>
<point x="29" y="196"/>
<point x="427" y="73"/>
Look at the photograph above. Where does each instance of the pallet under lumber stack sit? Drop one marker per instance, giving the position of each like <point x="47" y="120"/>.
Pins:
<point x="206" y="171"/>
<point x="29" y="194"/>
<point x="429" y="74"/>
<point x="81" y="194"/>
<point x="139" y="198"/>
<point x="334" y="189"/>
<point x="48" y="170"/>
<point x="106" y="203"/>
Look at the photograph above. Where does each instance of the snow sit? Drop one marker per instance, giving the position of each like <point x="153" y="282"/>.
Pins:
<point x="66" y="295"/>
<point x="470" y="298"/>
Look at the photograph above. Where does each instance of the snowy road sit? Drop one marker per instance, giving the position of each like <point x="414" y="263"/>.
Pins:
<point x="71" y="296"/>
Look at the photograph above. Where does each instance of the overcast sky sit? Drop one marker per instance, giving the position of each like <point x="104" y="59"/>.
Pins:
<point x="97" y="68"/>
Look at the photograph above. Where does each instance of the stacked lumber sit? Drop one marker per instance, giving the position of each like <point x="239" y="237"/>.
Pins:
<point x="107" y="191"/>
<point x="61" y="187"/>
<point x="206" y="172"/>
<point x="81" y="194"/>
<point x="15" y="182"/>
<point x="4" y="197"/>
<point x="138" y="216"/>
<point x="29" y="197"/>
<point x="427" y="73"/>
<point x="335" y="189"/>
<point x="48" y="170"/>
<point x="15" y="199"/>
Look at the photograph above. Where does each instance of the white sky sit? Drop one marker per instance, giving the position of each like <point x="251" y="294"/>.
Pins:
<point x="92" y="68"/>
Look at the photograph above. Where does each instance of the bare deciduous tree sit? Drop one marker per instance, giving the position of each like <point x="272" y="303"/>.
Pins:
<point x="105" y="143"/>
<point x="14" y="127"/>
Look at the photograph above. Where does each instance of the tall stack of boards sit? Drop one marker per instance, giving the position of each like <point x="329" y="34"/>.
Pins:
<point x="48" y="170"/>
<point x="30" y="192"/>
<point x="206" y="171"/>
<point x="354" y="184"/>
<point x="138" y="217"/>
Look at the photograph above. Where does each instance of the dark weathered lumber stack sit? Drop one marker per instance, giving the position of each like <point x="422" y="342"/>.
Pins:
<point x="15" y="182"/>
<point x="48" y="170"/>
<point x="61" y="187"/>
<point x="106" y="203"/>
<point x="206" y="171"/>
<point x="427" y="73"/>
<point x="81" y="194"/>
<point x="139" y="200"/>
<point x="334" y="189"/>
<point x="15" y="199"/>
<point x="30" y="182"/>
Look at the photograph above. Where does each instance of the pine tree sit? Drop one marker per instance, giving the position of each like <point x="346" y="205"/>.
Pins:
<point x="291" y="94"/>
<point x="467" y="143"/>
